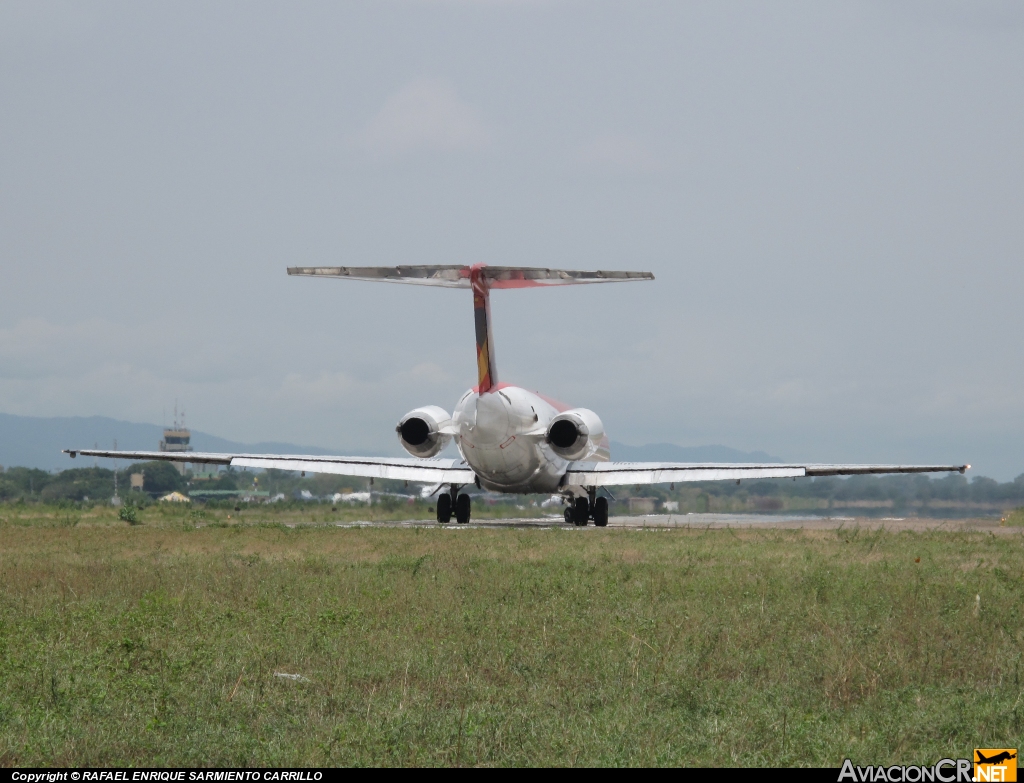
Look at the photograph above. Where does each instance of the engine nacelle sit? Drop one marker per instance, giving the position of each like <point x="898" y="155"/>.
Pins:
<point x="575" y="434"/>
<point x="420" y="431"/>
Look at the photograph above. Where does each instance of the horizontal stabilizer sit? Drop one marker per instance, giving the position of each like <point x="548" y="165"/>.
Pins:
<point x="453" y="276"/>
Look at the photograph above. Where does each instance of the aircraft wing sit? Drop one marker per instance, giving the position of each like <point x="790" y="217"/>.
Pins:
<point x="429" y="471"/>
<point x="605" y="474"/>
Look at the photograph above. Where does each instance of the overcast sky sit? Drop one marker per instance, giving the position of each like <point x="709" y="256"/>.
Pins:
<point x="831" y="196"/>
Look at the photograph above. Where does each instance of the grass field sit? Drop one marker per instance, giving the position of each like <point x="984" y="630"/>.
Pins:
<point x="161" y="644"/>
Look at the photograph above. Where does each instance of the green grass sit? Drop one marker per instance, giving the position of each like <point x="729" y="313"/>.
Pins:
<point x="158" y="644"/>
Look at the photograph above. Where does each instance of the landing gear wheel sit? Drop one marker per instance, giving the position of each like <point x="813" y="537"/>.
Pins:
<point x="462" y="506"/>
<point x="581" y="512"/>
<point x="444" y="508"/>
<point x="601" y="512"/>
<point x="570" y="519"/>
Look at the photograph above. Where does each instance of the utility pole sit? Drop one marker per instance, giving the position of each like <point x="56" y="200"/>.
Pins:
<point x="115" y="501"/>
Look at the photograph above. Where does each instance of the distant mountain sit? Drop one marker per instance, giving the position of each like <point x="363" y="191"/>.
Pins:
<point x="668" y="452"/>
<point x="36" y="442"/>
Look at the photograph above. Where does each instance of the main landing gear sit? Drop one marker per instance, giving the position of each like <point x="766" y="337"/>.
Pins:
<point x="444" y="508"/>
<point x="462" y="509"/>
<point x="461" y="506"/>
<point x="583" y="510"/>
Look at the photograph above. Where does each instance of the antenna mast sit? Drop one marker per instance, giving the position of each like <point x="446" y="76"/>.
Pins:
<point x="115" y="501"/>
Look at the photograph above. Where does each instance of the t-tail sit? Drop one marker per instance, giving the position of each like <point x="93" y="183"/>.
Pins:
<point x="486" y="369"/>
<point x="481" y="279"/>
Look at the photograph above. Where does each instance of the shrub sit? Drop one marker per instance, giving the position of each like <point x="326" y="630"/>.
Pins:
<point x="129" y="514"/>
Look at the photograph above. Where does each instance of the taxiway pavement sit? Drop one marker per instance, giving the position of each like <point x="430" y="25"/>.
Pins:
<point x="720" y="521"/>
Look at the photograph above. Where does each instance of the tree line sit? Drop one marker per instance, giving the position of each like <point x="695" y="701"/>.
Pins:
<point x="97" y="485"/>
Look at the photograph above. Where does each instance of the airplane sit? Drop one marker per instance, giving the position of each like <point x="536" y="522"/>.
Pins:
<point x="998" y="757"/>
<point x="510" y="439"/>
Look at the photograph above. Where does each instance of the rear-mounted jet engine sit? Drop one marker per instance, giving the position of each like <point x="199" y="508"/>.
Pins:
<point x="576" y="434"/>
<point x="424" y="432"/>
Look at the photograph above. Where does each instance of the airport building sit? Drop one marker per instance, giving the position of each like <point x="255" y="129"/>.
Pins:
<point x="177" y="439"/>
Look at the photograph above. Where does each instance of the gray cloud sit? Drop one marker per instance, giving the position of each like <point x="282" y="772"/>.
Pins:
<point x="425" y="114"/>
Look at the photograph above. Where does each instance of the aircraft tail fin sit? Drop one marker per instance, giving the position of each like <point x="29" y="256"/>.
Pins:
<point x="481" y="279"/>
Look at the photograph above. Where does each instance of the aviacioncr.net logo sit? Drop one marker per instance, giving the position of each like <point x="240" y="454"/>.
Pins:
<point x="944" y="771"/>
<point x="995" y="764"/>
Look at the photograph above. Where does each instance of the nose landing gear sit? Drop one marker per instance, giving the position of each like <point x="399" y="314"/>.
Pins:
<point x="581" y="512"/>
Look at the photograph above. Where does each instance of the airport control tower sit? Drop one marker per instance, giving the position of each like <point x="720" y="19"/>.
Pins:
<point x="177" y="438"/>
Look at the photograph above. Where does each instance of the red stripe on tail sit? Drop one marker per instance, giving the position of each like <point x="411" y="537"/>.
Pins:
<point x="487" y="373"/>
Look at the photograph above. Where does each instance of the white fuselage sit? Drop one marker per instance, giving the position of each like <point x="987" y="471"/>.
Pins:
<point x="502" y="434"/>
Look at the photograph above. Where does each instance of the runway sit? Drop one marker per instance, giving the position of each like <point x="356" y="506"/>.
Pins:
<point x="724" y="521"/>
